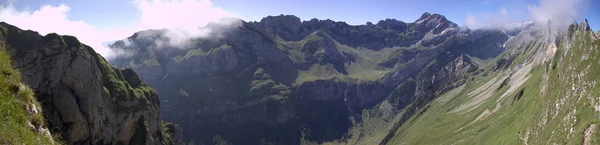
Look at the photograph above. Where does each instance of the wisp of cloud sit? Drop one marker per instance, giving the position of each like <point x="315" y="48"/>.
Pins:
<point x="183" y="18"/>
<point x="560" y="12"/>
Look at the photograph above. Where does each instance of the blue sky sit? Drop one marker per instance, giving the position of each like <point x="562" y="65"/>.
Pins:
<point x="118" y="19"/>
<point x="111" y="13"/>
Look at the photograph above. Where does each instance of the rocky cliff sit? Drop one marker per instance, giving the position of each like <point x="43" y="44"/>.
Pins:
<point x="84" y="99"/>
<point x="286" y="81"/>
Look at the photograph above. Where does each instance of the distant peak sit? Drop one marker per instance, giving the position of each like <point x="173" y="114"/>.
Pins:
<point x="281" y="17"/>
<point x="424" y="16"/>
<point x="226" y="22"/>
<point x="431" y="17"/>
<point x="149" y="32"/>
<point x="388" y="20"/>
<point x="392" y="23"/>
<point x="584" y="25"/>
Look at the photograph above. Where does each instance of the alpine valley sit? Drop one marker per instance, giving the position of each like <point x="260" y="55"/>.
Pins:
<point x="282" y="80"/>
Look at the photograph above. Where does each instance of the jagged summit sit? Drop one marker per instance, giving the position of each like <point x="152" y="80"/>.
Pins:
<point x="584" y="25"/>
<point x="291" y="28"/>
<point x="428" y="16"/>
<point x="281" y="17"/>
<point x="315" y="74"/>
<point x="424" y="16"/>
<point x="392" y="24"/>
<point x="294" y="20"/>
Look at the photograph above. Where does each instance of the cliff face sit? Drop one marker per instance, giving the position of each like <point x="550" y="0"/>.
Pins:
<point x="85" y="100"/>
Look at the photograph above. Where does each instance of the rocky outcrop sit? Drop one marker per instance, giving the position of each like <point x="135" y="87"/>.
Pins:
<point x="172" y="134"/>
<point x="85" y="100"/>
<point x="584" y="26"/>
<point x="392" y="24"/>
<point x="322" y="49"/>
<point x="288" y="24"/>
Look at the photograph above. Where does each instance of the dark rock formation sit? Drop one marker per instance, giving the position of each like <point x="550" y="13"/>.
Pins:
<point x="85" y="100"/>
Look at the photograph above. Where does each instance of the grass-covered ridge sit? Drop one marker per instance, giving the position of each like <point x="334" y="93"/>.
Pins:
<point x="20" y="109"/>
<point x="555" y="102"/>
<point x="124" y="86"/>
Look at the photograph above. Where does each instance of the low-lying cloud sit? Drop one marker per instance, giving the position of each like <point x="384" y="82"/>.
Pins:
<point x="49" y="19"/>
<point x="181" y="37"/>
<point x="183" y="17"/>
<point x="560" y="12"/>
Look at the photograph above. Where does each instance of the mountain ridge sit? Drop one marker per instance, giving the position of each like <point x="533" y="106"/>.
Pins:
<point x="265" y="69"/>
<point x="286" y="81"/>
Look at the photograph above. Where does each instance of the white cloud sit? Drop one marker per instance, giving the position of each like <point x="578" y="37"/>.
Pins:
<point x="504" y="12"/>
<point x="158" y="14"/>
<point x="563" y="11"/>
<point x="50" y="19"/>
<point x="500" y="20"/>
<point x="183" y="15"/>
<point x="471" y="21"/>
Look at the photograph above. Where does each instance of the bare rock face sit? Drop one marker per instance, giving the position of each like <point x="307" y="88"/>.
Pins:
<point x="84" y="99"/>
<point x="584" y="25"/>
<point x="435" y="23"/>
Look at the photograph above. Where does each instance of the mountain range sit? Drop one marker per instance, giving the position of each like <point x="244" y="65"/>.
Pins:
<point x="281" y="80"/>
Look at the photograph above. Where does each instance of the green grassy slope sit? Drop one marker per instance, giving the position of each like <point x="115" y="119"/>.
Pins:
<point x="556" y="103"/>
<point x="18" y="107"/>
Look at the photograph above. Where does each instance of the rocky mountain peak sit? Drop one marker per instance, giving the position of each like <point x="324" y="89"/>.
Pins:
<point x="281" y="18"/>
<point x="392" y="23"/>
<point x="584" y="25"/>
<point x="290" y="22"/>
<point x="281" y="23"/>
<point x="424" y="16"/>
<point x="150" y="32"/>
<point x="435" y="23"/>
<point x="431" y="18"/>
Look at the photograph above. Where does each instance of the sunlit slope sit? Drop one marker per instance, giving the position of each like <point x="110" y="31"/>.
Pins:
<point x="21" y="120"/>
<point x="535" y="101"/>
